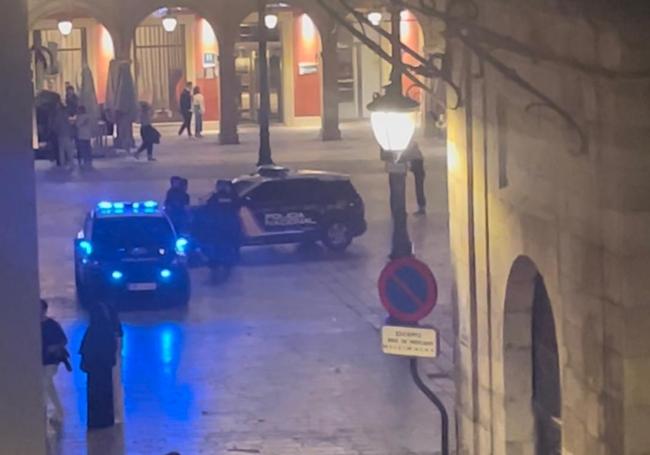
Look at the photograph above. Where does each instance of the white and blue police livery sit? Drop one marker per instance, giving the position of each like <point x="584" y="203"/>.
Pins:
<point x="128" y="250"/>
<point x="279" y="206"/>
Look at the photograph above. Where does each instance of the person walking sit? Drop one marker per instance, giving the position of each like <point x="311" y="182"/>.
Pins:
<point x="98" y="357"/>
<point x="84" y="123"/>
<point x="148" y="133"/>
<point x="185" y="104"/>
<point x="198" y="107"/>
<point x="53" y="341"/>
<point x="417" y="168"/>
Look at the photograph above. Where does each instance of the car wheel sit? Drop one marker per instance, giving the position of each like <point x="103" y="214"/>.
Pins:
<point x="337" y="236"/>
<point x="181" y="297"/>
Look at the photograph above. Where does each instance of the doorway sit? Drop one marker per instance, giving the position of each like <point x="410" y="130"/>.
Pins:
<point x="532" y="385"/>
<point x="547" y="403"/>
<point x="248" y="81"/>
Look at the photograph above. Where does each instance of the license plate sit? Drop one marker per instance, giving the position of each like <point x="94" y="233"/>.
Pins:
<point x="142" y="286"/>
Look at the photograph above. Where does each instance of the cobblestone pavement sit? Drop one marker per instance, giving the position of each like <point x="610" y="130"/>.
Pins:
<point x="285" y="358"/>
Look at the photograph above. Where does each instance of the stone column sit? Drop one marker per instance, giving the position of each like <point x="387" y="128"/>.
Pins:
<point x="22" y="418"/>
<point x="228" y="36"/>
<point x="330" y="116"/>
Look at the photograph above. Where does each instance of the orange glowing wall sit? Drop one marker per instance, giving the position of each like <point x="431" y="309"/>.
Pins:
<point x="412" y="37"/>
<point x="205" y="41"/>
<point x="104" y="54"/>
<point x="307" y="48"/>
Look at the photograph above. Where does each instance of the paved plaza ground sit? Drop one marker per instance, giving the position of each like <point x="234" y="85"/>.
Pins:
<point x="285" y="358"/>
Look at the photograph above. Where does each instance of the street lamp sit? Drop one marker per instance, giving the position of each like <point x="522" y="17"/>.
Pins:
<point x="65" y="27"/>
<point x="393" y="124"/>
<point x="392" y="117"/>
<point x="265" y="97"/>
<point x="271" y="21"/>
<point x="169" y="23"/>
<point x="375" y="17"/>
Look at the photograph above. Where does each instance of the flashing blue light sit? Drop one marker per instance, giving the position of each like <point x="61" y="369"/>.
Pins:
<point x="117" y="275"/>
<point x="165" y="273"/>
<point x="136" y="206"/>
<point x="118" y="205"/>
<point x="86" y="247"/>
<point x="181" y="246"/>
<point x="150" y="204"/>
<point x="104" y="205"/>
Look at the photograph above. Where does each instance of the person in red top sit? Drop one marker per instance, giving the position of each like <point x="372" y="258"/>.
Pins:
<point x="54" y="352"/>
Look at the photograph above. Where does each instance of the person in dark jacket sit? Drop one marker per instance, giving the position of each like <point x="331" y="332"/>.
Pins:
<point x="71" y="100"/>
<point x="185" y="104"/>
<point x="219" y="231"/>
<point x="98" y="353"/>
<point x="417" y="168"/>
<point x="177" y="203"/>
<point x="53" y="344"/>
<point x="148" y="133"/>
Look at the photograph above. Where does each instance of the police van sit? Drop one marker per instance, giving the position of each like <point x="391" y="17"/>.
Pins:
<point x="130" y="250"/>
<point x="279" y="206"/>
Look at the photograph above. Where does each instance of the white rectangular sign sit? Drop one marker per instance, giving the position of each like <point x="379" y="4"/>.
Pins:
<point x="409" y="341"/>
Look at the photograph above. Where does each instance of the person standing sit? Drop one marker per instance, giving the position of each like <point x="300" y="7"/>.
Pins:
<point x="198" y="107"/>
<point x="71" y="100"/>
<point x="84" y="124"/>
<point x="219" y="231"/>
<point x="64" y="136"/>
<point x="148" y="133"/>
<point x="54" y="352"/>
<point x="177" y="202"/>
<point x="118" y="388"/>
<point x="185" y="104"/>
<point x="98" y="357"/>
<point x="417" y="168"/>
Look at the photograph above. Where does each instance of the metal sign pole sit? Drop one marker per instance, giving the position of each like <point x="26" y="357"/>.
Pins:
<point x="430" y="394"/>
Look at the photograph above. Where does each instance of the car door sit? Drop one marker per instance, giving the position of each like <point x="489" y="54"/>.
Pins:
<point x="281" y="207"/>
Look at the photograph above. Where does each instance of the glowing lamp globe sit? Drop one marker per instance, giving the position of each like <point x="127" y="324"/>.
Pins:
<point x="375" y="18"/>
<point x="65" y="27"/>
<point x="271" y="21"/>
<point x="169" y="23"/>
<point x="393" y="118"/>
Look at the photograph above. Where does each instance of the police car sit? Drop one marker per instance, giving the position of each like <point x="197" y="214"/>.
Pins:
<point x="130" y="250"/>
<point x="283" y="206"/>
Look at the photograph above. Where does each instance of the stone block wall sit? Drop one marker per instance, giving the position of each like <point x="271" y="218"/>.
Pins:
<point x="525" y="200"/>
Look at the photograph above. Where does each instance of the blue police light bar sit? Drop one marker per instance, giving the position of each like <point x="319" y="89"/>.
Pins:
<point x="165" y="273"/>
<point x="120" y="207"/>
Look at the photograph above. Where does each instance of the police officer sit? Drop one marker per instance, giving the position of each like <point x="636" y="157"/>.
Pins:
<point x="220" y="230"/>
<point x="177" y="202"/>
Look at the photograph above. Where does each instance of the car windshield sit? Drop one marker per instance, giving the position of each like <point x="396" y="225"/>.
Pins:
<point x="242" y="186"/>
<point x="130" y="232"/>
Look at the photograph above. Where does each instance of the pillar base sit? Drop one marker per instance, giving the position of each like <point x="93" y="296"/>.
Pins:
<point x="330" y="134"/>
<point x="228" y="138"/>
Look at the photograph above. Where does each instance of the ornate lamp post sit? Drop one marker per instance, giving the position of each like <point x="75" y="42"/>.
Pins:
<point x="393" y="124"/>
<point x="265" y="97"/>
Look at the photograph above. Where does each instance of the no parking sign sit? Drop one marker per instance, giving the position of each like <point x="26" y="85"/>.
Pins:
<point x="408" y="290"/>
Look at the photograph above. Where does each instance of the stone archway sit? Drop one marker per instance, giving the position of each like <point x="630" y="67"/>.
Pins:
<point x="532" y="385"/>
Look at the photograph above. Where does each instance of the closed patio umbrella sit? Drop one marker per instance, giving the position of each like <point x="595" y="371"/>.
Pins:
<point x="121" y="102"/>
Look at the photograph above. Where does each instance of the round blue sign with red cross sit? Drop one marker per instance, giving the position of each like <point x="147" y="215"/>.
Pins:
<point x="408" y="289"/>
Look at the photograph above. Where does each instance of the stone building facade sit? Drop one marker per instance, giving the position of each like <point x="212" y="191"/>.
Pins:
<point x="550" y="234"/>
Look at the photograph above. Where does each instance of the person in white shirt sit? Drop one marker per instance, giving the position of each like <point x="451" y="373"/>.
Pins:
<point x="198" y="106"/>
